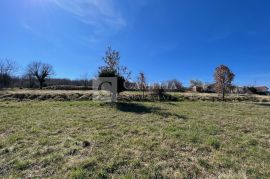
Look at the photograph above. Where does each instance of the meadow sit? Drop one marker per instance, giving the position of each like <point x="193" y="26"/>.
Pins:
<point x="81" y="139"/>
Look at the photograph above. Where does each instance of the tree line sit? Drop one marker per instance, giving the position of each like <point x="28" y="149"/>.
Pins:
<point x="41" y="73"/>
<point x="35" y="75"/>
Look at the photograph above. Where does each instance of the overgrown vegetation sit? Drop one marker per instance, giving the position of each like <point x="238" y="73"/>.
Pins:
<point x="82" y="94"/>
<point x="97" y="140"/>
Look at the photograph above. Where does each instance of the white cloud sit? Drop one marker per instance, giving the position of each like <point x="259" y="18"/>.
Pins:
<point x="101" y="14"/>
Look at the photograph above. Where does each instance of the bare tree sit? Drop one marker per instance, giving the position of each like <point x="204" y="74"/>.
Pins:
<point x="112" y="60"/>
<point x="30" y="78"/>
<point x="85" y="79"/>
<point x="41" y="71"/>
<point x="112" y="68"/>
<point x="142" y="82"/>
<point x="223" y="80"/>
<point x="7" y="68"/>
<point x="196" y="83"/>
<point x="112" y="65"/>
<point x="175" y="85"/>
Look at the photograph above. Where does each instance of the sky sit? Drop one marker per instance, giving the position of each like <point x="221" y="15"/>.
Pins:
<point x="165" y="39"/>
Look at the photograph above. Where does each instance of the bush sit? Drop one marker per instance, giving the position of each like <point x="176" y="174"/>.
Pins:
<point x="254" y="90"/>
<point x="159" y="91"/>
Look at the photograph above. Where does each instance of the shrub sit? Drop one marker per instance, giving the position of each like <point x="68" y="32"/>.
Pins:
<point x="157" y="90"/>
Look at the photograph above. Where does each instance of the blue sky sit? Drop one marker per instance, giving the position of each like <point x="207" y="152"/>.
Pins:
<point x="166" y="39"/>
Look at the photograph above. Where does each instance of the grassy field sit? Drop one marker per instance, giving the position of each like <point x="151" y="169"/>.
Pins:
<point x="83" y="139"/>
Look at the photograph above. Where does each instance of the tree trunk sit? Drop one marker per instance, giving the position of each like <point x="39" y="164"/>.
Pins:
<point x="31" y="82"/>
<point x="223" y="94"/>
<point x="40" y="85"/>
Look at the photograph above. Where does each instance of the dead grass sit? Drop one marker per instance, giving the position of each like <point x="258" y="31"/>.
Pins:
<point x="80" y="95"/>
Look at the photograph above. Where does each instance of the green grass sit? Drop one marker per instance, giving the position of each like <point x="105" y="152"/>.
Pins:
<point x="129" y="140"/>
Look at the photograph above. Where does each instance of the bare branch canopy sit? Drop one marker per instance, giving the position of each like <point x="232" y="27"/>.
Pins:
<point x="41" y="71"/>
